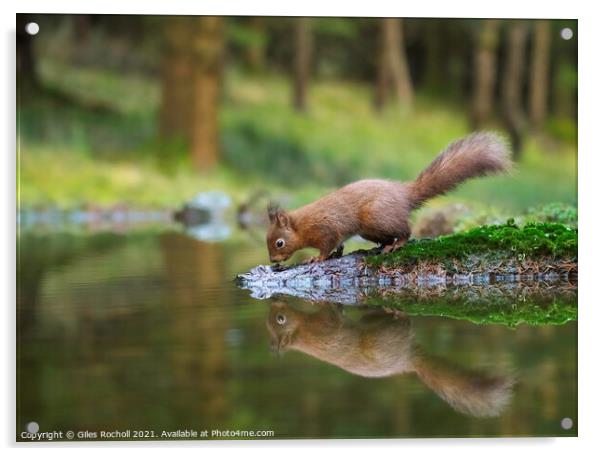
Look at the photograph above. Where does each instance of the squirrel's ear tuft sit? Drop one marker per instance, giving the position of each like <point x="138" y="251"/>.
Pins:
<point x="273" y="211"/>
<point x="283" y="219"/>
<point x="277" y="215"/>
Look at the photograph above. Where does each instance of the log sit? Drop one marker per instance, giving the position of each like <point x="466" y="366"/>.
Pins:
<point x="351" y="280"/>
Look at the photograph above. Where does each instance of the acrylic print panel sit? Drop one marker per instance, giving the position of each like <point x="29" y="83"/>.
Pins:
<point x="150" y="148"/>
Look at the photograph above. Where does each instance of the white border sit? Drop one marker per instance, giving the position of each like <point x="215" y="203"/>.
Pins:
<point x="590" y="151"/>
<point x="425" y="8"/>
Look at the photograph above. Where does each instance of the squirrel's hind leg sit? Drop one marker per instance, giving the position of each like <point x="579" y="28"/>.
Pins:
<point x="338" y="253"/>
<point x="396" y="245"/>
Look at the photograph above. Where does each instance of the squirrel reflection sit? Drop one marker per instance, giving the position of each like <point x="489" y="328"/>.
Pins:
<point x="381" y="344"/>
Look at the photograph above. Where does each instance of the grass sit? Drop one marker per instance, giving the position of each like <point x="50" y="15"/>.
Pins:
<point x="534" y="240"/>
<point x="54" y="176"/>
<point x="72" y="154"/>
<point x="341" y="139"/>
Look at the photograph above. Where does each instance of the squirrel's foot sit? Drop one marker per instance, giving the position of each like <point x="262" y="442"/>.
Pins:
<point x="399" y="243"/>
<point x="395" y="313"/>
<point x="312" y="260"/>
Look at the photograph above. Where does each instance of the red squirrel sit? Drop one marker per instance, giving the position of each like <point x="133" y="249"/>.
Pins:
<point x="380" y="344"/>
<point x="378" y="210"/>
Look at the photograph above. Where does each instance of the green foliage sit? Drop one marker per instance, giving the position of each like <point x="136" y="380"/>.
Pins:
<point x="169" y="155"/>
<point x="562" y="129"/>
<point x="465" y="217"/>
<point x="100" y="114"/>
<point x="65" y="178"/>
<point x="242" y="35"/>
<point x="488" y="309"/>
<point x="336" y="27"/>
<point x="281" y="158"/>
<point x="567" y="76"/>
<point x="554" y="212"/>
<point x="103" y="148"/>
<point x="532" y="241"/>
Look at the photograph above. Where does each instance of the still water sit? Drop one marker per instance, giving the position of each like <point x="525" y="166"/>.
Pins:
<point x="148" y="331"/>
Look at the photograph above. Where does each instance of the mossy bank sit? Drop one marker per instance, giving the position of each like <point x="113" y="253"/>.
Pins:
<point x="496" y="249"/>
<point x="503" y="274"/>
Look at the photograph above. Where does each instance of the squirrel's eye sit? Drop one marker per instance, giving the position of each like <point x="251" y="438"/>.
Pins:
<point x="280" y="319"/>
<point x="280" y="243"/>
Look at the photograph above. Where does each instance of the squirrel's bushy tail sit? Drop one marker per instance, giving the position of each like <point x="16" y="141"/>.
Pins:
<point x="471" y="392"/>
<point x="478" y="154"/>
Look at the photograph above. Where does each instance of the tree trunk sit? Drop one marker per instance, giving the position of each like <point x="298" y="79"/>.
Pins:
<point x="399" y="64"/>
<point x="382" y="89"/>
<point x="393" y="73"/>
<point x="255" y="54"/>
<point x="485" y="69"/>
<point x="540" y="67"/>
<point x="82" y="25"/>
<point x="512" y="84"/>
<point x="177" y="73"/>
<point x="434" y="57"/>
<point x="303" y="51"/>
<point x="208" y="50"/>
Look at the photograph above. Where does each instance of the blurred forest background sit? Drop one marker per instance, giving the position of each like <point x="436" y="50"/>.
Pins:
<point x="149" y="110"/>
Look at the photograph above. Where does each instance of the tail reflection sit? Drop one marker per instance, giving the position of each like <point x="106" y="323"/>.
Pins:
<point x="381" y="344"/>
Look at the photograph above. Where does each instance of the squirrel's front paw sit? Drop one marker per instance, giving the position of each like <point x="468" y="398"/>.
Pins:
<point x="396" y="313"/>
<point x="311" y="260"/>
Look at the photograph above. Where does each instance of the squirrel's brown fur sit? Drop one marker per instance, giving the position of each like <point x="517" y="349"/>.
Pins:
<point x="380" y="345"/>
<point x="378" y="210"/>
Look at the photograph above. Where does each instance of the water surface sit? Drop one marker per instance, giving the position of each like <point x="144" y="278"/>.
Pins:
<point x="147" y="330"/>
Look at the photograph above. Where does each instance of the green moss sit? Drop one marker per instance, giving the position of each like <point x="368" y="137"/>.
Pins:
<point x="534" y="240"/>
<point x="488" y="308"/>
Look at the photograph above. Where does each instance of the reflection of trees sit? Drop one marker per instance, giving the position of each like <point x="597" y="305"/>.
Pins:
<point x="199" y="318"/>
<point x="38" y="255"/>
<point x="118" y="351"/>
<point x="35" y="255"/>
<point x="60" y="370"/>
